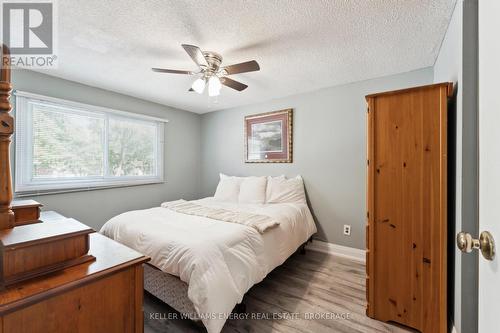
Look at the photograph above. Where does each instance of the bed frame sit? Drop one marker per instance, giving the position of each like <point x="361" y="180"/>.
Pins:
<point x="169" y="289"/>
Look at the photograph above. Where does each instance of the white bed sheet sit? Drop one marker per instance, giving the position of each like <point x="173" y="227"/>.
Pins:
<point x="220" y="261"/>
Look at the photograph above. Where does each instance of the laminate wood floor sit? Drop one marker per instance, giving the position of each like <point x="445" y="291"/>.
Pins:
<point x="329" y="287"/>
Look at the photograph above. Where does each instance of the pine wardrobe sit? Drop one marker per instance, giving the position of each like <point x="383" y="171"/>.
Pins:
<point x="406" y="227"/>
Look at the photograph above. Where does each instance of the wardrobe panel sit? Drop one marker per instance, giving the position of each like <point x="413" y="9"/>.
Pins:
<point x="406" y="244"/>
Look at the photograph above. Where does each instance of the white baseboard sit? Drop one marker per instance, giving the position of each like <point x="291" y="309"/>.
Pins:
<point x="337" y="250"/>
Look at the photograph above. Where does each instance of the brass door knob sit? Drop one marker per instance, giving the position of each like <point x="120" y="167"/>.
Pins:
<point x="466" y="243"/>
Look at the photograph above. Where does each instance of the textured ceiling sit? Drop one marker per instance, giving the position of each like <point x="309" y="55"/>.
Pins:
<point x="301" y="45"/>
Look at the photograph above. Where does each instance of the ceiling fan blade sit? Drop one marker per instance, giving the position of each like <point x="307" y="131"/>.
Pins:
<point x="171" y="71"/>
<point x="195" y="54"/>
<point x="249" y="66"/>
<point x="233" y="84"/>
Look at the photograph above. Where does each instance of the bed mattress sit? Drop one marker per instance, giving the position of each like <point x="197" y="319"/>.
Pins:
<point x="218" y="261"/>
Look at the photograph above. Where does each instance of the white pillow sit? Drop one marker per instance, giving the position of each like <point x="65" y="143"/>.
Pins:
<point x="228" y="188"/>
<point x="282" y="190"/>
<point x="253" y="190"/>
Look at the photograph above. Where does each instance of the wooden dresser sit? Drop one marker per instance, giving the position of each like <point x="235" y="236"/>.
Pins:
<point x="56" y="274"/>
<point x="104" y="295"/>
<point x="407" y="207"/>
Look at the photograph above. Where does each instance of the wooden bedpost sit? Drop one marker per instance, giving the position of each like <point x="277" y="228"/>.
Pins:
<point x="6" y="131"/>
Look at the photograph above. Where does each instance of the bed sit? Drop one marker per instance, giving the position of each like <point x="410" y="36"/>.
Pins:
<point x="208" y="251"/>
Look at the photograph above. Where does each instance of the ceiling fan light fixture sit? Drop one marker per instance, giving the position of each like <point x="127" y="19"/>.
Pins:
<point x="214" y="86"/>
<point x="199" y="85"/>
<point x="210" y="71"/>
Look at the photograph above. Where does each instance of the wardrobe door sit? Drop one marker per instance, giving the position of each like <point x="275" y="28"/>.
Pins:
<point x="407" y="207"/>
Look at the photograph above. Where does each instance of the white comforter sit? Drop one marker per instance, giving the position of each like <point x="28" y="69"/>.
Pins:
<point x="220" y="261"/>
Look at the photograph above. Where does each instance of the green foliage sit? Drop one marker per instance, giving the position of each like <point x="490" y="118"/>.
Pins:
<point x="66" y="145"/>
<point x="72" y="145"/>
<point x="131" y="148"/>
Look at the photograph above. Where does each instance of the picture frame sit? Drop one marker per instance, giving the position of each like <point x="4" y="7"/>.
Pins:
<point x="269" y="137"/>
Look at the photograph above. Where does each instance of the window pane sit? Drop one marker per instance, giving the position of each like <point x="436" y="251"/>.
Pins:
<point x="66" y="145"/>
<point x="132" y="147"/>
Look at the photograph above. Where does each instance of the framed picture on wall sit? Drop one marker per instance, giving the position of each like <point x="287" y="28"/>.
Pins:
<point x="268" y="137"/>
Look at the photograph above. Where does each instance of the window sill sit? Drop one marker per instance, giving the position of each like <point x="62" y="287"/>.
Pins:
<point x="38" y="192"/>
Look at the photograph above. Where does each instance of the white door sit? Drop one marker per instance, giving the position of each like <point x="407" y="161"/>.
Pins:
<point x="489" y="160"/>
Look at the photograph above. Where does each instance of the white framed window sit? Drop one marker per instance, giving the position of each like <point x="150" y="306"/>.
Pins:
<point x="63" y="145"/>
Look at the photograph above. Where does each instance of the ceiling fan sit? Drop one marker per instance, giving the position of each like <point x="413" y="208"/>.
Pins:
<point x="210" y="71"/>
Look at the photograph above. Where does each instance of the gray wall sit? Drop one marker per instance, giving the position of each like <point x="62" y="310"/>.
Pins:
<point x="448" y="67"/>
<point x="457" y="62"/>
<point x="470" y="163"/>
<point x="329" y="150"/>
<point x="182" y="153"/>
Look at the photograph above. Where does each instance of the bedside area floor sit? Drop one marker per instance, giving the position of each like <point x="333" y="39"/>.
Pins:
<point x="321" y="292"/>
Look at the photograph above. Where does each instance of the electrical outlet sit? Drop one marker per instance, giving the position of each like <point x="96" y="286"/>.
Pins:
<point x="347" y="230"/>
